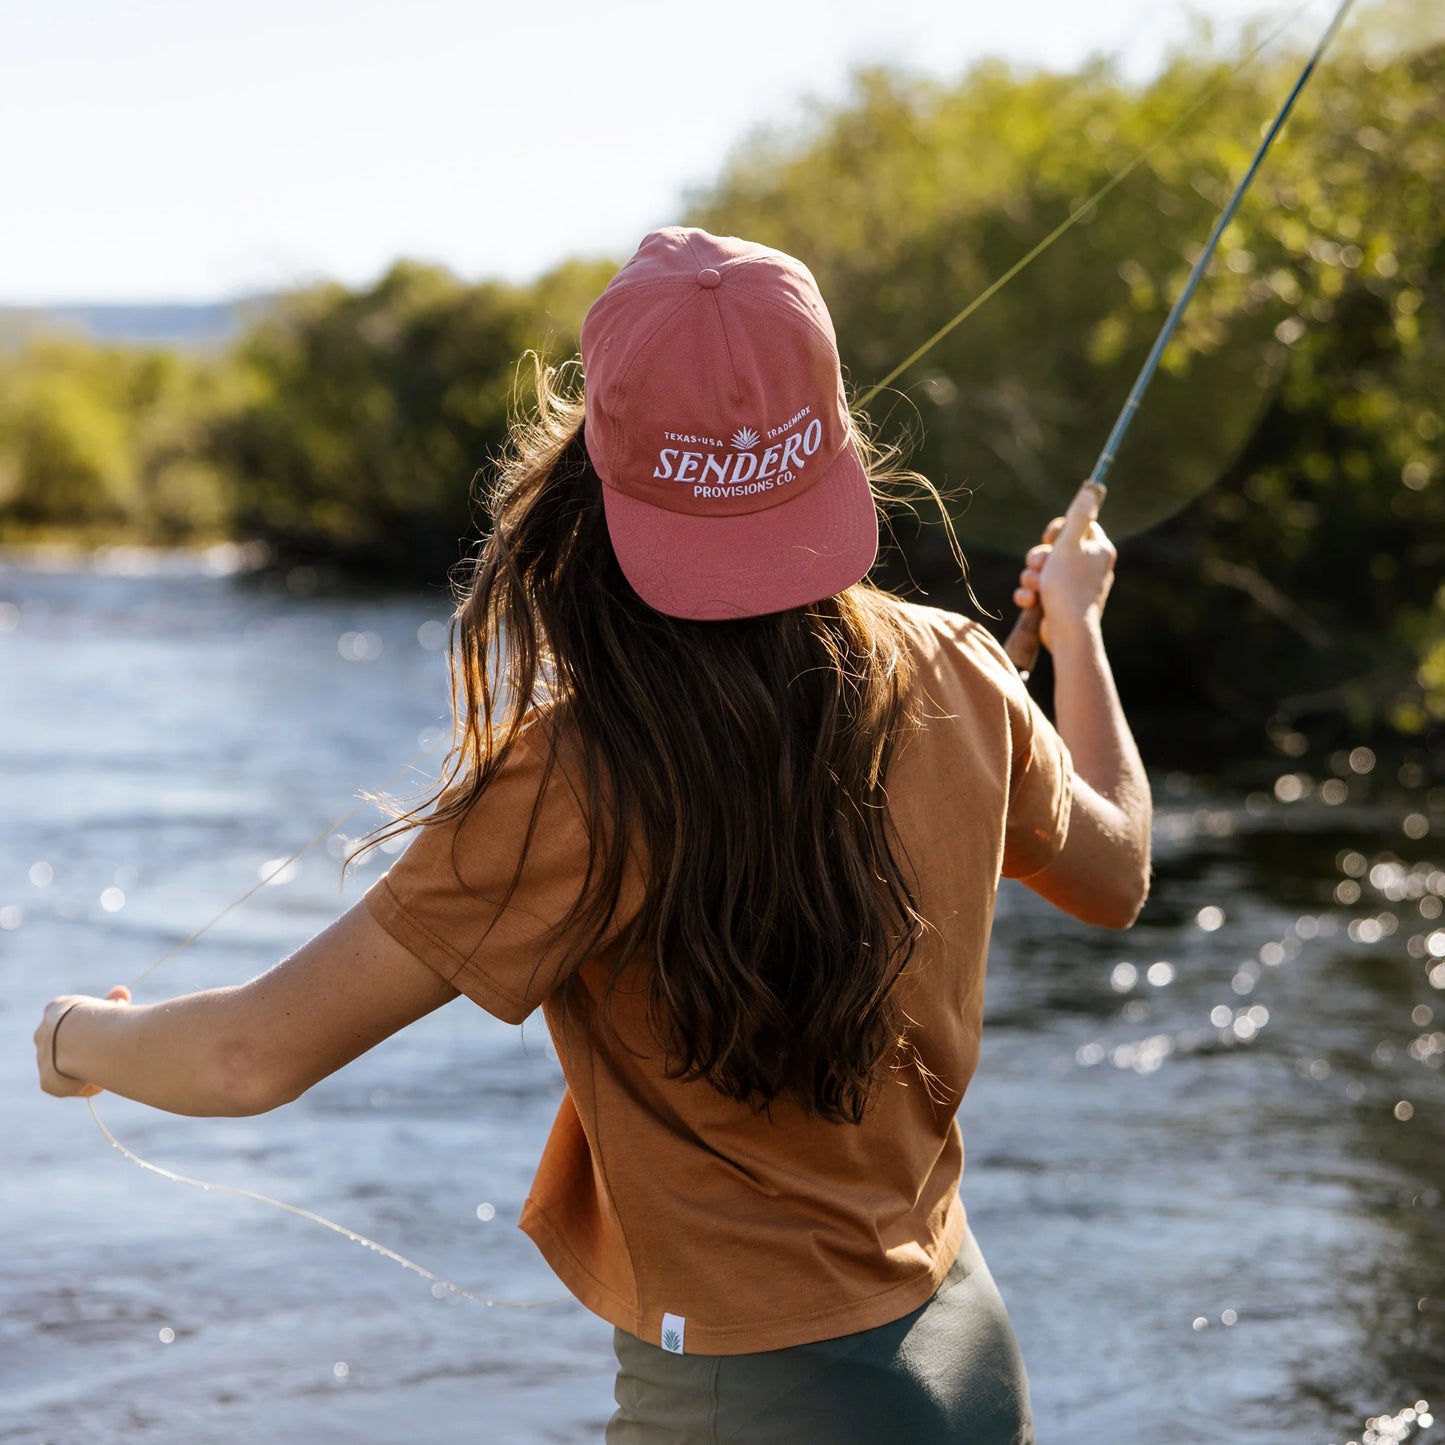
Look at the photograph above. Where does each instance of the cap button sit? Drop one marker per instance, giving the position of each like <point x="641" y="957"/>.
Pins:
<point x="708" y="279"/>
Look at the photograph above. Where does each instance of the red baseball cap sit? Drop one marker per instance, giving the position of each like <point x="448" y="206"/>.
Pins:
<point x="716" y="419"/>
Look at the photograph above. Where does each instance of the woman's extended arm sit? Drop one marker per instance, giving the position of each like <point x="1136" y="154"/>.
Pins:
<point x="251" y="1047"/>
<point x="1102" y="872"/>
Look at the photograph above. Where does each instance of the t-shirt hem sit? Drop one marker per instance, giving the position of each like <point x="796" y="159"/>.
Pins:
<point x="745" y="1339"/>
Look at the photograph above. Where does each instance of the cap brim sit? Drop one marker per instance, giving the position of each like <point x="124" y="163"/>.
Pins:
<point x="712" y="568"/>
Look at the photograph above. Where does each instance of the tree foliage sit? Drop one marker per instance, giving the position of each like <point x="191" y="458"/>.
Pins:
<point x="1282" y="488"/>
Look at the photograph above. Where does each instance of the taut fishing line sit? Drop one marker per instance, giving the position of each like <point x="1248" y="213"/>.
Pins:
<point x="1083" y="208"/>
<point x="439" y="1283"/>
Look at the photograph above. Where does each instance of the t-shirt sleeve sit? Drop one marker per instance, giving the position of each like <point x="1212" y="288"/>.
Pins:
<point x="480" y="898"/>
<point x="1041" y="773"/>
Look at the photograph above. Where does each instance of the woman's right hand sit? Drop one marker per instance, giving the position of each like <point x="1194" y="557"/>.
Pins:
<point x="1070" y="572"/>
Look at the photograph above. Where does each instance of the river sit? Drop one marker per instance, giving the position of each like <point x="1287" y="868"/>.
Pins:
<point x="1205" y="1158"/>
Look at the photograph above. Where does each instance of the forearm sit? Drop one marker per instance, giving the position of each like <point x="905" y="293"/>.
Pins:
<point x="179" y="1055"/>
<point x="1091" y="721"/>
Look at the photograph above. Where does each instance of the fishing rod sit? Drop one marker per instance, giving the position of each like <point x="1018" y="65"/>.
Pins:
<point x="1022" y="643"/>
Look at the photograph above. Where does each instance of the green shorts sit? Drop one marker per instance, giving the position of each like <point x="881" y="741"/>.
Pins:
<point x="949" y="1372"/>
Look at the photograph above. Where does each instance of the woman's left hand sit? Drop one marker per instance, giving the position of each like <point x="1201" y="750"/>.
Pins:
<point x="60" y="1085"/>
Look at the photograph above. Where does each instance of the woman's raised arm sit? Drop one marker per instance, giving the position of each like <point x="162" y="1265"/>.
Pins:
<point x="1101" y="874"/>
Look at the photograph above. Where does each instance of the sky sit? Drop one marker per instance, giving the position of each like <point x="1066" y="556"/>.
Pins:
<point x="187" y="150"/>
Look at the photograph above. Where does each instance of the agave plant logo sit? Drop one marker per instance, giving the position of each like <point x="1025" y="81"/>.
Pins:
<point x="745" y="439"/>
<point x="672" y="1341"/>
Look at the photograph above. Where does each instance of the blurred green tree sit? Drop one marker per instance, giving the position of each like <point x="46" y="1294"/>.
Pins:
<point x="102" y="442"/>
<point x="367" y="413"/>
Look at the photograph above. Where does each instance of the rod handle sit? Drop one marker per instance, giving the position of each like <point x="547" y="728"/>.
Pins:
<point x="1022" y="644"/>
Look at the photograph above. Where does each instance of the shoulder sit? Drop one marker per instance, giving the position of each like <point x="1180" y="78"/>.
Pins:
<point x="949" y="641"/>
<point x="531" y="788"/>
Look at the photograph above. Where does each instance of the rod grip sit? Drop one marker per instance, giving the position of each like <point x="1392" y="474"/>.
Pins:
<point x="1022" y="644"/>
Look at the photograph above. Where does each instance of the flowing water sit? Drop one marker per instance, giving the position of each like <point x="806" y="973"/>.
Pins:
<point x="1206" y="1158"/>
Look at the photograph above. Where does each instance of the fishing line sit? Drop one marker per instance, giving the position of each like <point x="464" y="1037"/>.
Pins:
<point x="438" y="1282"/>
<point x="1076" y="214"/>
<point x="285" y="863"/>
<point x="1196" y="274"/>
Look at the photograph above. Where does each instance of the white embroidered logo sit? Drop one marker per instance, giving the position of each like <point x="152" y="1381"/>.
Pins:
<point x="674" y="1327"/>
<point x="745" y="471"/>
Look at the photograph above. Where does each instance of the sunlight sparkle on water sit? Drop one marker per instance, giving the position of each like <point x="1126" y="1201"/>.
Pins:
<point x="359" y="646"/>
<point x="167" y="1335"/>
<point x="1210" y="918"/>
<point x="1291" y="787"/>
<point x="1394" y="1429"/>
<point x="1428" y="1049"/>
<point x="1389" y="875"/>
<point x="341" y="1370"/>
<point x="42" y="875"/>
<point x="112" y="900"/>
<point x="486" y="1212"/>
<point x="1124" y="977"/>
<point x="11" y="916"/>
<point x="1160" y="974"/>
<point x="276" y="871"/>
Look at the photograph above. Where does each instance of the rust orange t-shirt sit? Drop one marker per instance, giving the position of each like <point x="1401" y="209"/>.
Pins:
<point x="660" y="1198"/>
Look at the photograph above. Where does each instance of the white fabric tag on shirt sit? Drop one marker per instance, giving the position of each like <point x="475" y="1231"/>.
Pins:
<point x="674" y="1328"/>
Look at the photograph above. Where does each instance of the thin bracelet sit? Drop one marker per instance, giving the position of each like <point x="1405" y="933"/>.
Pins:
<point x="55" y="1034"/>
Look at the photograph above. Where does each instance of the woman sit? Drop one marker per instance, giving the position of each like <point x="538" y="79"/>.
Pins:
<point x="735" y="819"/>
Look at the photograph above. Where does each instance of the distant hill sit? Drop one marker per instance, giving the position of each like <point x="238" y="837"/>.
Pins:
<point x="183" y="324"/>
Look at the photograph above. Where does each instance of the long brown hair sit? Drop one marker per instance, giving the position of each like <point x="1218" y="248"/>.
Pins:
<point x="744" y="761"/>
